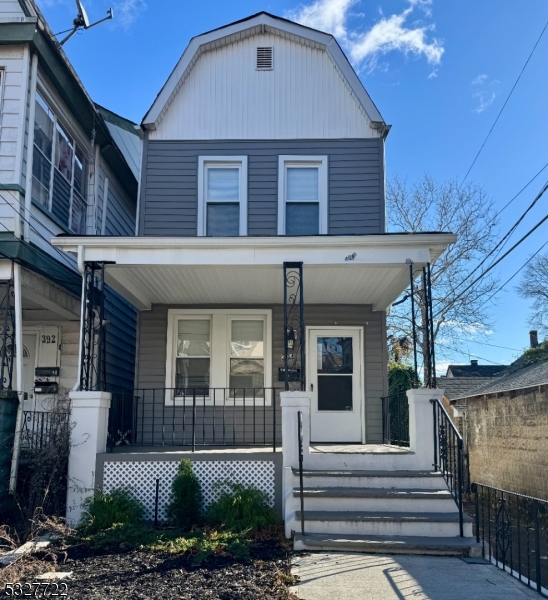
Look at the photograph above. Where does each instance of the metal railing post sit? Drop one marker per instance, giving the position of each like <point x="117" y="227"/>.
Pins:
<point x="460" y="470"/>
<point x="301" y="452"/>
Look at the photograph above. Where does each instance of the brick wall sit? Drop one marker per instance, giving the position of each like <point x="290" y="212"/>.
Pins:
<point x="507" y="437"/>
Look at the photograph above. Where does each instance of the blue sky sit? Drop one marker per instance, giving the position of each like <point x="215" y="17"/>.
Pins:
<point x="438" y="71"/>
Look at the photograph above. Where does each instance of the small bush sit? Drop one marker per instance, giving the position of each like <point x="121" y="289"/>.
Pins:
<point x="185" y="505"/>
<point x="241" y="509"/>
<point x="102" y="511"/>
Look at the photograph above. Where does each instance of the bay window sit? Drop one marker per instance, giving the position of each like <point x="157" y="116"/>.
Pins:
<point x="59" y="170"/>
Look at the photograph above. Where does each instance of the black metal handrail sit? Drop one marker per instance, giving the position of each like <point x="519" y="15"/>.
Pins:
<point x="41" y="429"/>
<point x="448" y="455"/>
<point x="301" y="458"/>
<point x="195" y="417"/>
<point x="513" y="531"/>
<point x="395" y="420"/>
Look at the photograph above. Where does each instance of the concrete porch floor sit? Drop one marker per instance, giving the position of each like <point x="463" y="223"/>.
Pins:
<point x="358" y="449"/>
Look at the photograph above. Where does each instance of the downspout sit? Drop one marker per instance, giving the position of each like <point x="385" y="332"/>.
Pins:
<point x="19" y="381"/>
<point x="30" y="146"/>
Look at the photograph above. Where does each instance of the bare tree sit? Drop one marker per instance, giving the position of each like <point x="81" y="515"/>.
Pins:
<point x="429" y="205"/>
<point x="534" y="286"/>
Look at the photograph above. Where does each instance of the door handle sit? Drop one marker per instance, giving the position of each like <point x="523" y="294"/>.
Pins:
<point x="311" y="387"/>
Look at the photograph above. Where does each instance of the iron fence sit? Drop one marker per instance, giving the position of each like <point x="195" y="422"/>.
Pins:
<point x="513" y="531"/>
<point x="195" y="417"/>
<point x="42" y="429"/>
<point x="395" y="420"/>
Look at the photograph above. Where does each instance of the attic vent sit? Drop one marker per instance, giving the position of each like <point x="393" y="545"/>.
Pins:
<point x="264" y="58"/>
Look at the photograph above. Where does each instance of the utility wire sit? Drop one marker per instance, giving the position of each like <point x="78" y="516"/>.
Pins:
<point x="509" y="232"/>
<point x="487" y="360"/>
<point x="505" y="102"/>
<point x="522" y="190"/>
<point x="493" y="265"/>
<point x="516" y="273"/>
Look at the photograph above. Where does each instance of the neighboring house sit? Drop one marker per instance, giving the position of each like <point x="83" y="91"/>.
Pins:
<point x="66" y="167"/>
<point x="261" y="234"/>
<point x="474" y="370"/>
<point x="506" y="431"/>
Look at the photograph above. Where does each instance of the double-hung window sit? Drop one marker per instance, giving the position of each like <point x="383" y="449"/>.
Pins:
<point x="59" y="170"/>
<point x="302" y="195"/>
<point x="219" y="354"/>
<point x="222" y="196"/>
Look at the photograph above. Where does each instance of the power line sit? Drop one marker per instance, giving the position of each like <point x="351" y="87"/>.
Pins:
<point x="505" y="102"/>
<point x="493" y="345"/>
<point x="487" y="360"/>
<point x="522" y="190"/>
<point x="516" y="273"/>
<point x="494" y="264"/>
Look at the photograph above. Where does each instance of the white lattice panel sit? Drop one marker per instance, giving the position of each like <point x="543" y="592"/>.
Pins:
<point x="140" y="478"/>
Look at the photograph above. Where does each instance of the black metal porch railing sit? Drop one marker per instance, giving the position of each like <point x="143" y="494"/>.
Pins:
<point x="395" y="420"/>
<point x="41" y="429"/>
<point x="448" y="455"/>
<point x="513" y="531"/>
<point x="195" y="417"/>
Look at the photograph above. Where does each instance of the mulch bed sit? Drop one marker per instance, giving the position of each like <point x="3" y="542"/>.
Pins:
<point x="136" y="575"/>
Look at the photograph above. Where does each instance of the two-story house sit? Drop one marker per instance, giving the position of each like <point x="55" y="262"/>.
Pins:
<point x="67" y="166"/>
<point x="261" y="264"/>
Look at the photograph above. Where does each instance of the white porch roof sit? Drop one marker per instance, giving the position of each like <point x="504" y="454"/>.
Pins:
<point x="370" y="269"/>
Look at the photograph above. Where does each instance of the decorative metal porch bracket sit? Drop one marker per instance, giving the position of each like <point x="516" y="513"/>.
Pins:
<point x="7" y="334"/>
<point x="294" y="328"/>
<point x="92" y="374"/>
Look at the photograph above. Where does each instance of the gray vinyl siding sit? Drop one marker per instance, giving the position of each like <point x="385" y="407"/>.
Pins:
<point x="120" y="217"/>
<point x="120" y="341"/>
<point x="355" y="173"/>
<point x="151" y="359"/>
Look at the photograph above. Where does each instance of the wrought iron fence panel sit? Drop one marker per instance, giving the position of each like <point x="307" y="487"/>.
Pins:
<point x="42" y="429"/>
<point x="195" y="417"/>
<point x="395" y="420"/>
<point x="513" y="531"/>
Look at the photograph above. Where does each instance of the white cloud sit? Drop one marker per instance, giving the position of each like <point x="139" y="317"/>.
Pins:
<point x="485" y="99"/>
<point x="479" y="79"/>
<point x="393" y="33"/>
<point x="126" y="12"/>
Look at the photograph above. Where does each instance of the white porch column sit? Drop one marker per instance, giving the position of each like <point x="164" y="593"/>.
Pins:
<point x="421" y="425"/>
<point x="89" y="419"/>
<point x="292" y="403"/>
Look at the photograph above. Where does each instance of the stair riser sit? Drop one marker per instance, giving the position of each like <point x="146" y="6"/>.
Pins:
<point x="299" y="546"/>
<point x="380" y="504"/>
<point x="419" y="483"/>
<point x="327" y="461"/>
<point x="385" y="528"/>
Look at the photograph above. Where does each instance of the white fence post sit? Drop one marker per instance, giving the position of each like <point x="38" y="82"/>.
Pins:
<point x="421" y="425"/>
<point x="89" y="421"/>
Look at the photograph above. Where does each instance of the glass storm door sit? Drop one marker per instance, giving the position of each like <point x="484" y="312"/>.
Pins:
<point x="335" y="375"/>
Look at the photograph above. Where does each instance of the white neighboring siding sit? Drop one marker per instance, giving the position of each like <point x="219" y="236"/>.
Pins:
<point x="10" y="9"/>
<point x="225" y="97"/>
<point x="13" y="103"/>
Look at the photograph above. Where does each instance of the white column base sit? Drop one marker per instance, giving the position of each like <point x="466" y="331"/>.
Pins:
<point x="89" y="419"/>
<point x="421" y="425"/>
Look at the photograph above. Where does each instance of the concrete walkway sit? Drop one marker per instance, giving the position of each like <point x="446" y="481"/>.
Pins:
<point x="348" y="576"/>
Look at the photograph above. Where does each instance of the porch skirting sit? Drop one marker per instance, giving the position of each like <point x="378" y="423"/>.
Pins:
<point x="138" y="472"/>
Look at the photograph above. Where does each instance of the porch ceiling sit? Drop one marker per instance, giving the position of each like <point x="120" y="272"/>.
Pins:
<point x="337" y="270"/>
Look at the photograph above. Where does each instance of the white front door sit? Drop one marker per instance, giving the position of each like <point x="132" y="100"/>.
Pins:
<point x="335" y="380"/>
<point x="29" y="365"/>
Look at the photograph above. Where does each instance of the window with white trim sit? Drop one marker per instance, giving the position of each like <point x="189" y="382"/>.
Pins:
<point x="59" y="170"/>
<point x="217" y="349"/>
<point x="222" y="196"/>
<point x="302" y="195"/>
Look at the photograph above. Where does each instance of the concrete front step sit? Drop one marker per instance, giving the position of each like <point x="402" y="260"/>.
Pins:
<point x="372" y="479"/>
<point x="376" y="499"/>
<point x="440" y="546"/>
<point x="382" y="523"/>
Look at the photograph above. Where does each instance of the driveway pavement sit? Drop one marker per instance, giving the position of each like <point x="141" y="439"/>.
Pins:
<point x="349" y="576"/>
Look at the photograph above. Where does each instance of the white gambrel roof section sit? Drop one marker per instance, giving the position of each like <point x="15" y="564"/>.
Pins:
<point x="259" y="24"/>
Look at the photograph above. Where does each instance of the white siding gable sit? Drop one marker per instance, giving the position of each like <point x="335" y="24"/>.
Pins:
<point x="224" y="96"/>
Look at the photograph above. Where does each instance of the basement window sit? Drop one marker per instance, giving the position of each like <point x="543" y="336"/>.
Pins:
<point x="265" y="58"/>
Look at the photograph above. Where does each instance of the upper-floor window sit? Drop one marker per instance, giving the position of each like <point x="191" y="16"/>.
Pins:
<point x="222" y="196"/>
<point x="59" y="170"/>
<point x="302" y="195"/>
